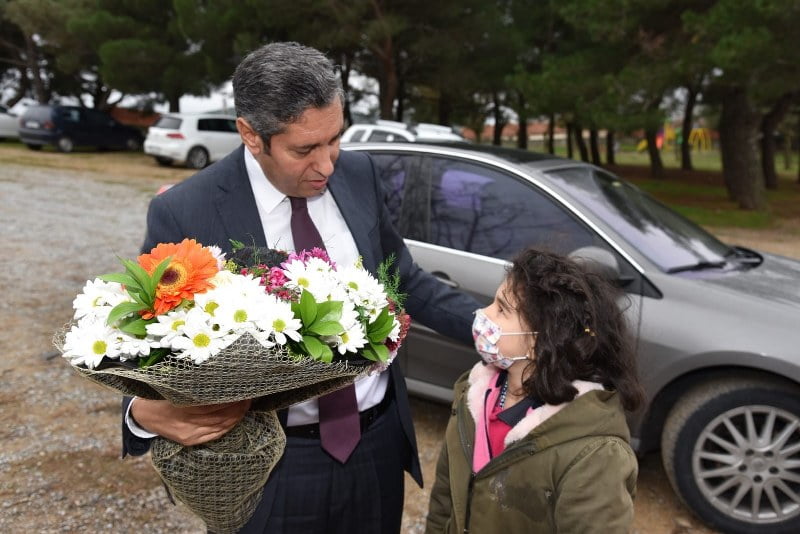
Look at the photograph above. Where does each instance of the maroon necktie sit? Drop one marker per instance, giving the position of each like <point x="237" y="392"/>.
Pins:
<point x="339" y="424"/>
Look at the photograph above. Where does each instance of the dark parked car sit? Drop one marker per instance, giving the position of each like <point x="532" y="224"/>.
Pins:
<point x="717" y="325"/>
<point x="67" y="127"/>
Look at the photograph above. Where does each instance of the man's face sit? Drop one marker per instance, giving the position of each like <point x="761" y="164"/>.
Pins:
<point x="300" y="160"/>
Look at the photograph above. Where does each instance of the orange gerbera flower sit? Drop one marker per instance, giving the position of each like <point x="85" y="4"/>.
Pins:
<point x="190" y="269"/>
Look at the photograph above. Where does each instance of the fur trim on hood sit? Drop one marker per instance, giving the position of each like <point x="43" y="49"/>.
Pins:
<point x="481" y="377"/>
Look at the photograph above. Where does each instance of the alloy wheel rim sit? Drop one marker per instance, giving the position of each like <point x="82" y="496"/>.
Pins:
<point x="746" y="463"/>
<point x="198" y="158"/>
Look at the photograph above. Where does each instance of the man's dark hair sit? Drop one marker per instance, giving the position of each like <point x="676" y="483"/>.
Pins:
<point x="275" y="84"/>
<point x="582" y="333"/>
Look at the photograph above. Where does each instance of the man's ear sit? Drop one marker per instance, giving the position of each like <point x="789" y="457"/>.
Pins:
<point x="250" y="137"/>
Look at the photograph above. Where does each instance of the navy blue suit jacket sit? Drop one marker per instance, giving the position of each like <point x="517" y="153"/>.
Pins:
<point x="217" y="204"/>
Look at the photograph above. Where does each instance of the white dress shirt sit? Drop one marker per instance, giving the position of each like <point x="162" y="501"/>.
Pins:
<point x="275" y="212"/>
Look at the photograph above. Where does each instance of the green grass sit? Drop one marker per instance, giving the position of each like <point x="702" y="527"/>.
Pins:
<point x="721" y="218"/>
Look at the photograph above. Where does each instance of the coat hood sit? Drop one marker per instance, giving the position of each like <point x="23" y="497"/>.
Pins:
<point x="594" y="411"/>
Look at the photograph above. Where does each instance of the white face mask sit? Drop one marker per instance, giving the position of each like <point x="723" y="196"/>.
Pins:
<point x="486" y="334"/>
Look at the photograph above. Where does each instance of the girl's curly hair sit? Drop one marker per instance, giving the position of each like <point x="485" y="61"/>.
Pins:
<point x="582" y="333"/>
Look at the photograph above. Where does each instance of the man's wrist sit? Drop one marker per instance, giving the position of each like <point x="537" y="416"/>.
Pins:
<point x="133" y="426"/>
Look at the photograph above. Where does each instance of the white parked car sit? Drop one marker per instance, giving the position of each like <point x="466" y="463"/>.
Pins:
<point x="195" y="139"/>
<point x="398" y="132"/>
<point x="9" y="124"/>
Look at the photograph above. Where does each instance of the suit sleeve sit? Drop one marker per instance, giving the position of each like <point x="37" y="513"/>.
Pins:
<point x="434" y="304"/>
<point x="161" y="228"/>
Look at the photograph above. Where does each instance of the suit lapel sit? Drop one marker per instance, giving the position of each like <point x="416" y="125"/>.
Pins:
<point x="236" y="204"/>
<point x="356" y="216"/>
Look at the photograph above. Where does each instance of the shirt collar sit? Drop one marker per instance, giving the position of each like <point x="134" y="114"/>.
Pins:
<point x="266" y="193"/>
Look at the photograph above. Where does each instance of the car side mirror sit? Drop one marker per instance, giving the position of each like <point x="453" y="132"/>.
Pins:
<point x="599" y="261"/>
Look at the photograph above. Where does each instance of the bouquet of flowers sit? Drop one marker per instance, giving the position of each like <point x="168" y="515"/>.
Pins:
<point x="185" y="324"/>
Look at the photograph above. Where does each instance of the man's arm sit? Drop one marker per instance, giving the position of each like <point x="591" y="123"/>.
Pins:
<point x="434" y="304"/>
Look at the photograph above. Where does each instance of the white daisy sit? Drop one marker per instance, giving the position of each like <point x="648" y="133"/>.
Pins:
<point x="279" y="321"/>
<point x="132" y="347"/>
<point x="98" y="297"/>
<point x="364" y="289"/>
<point x="317" y="282"/>
<point x="169" y="325"/>
<point x="239" y="313"/>
<point x="201" y="338"/>
<point x="351" y="339"/>
<point x="91" y="340"/>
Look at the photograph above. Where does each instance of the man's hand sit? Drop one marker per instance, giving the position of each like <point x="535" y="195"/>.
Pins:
<point x="188" y="425"/>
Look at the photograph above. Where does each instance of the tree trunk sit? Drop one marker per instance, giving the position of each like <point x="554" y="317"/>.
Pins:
<point x="686" y="130"/>
<point x="345" y="74"/>
<point x="738" y="135"/>
<point x="387" y="81"/>
<point x="40" y="91"/>
<point x="401" y="95"/>
<point x="610" y="155"/>
<point x="21" y="90"/>
<point x="551" y="133"/>
<point x="594" y="147"/>
<point x="656" y="165"/>
<point x="445" y="108"/>
<point x="769" y="124"/>
<point x="499" y="120"/>
<point x="174" y="103"/>
<point x="570" y="127"/>
<point x="584" y="152"/>
<point x="522" y="126"/>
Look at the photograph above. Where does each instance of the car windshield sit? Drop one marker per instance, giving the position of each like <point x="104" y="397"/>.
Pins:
<point x="668" y="239"/>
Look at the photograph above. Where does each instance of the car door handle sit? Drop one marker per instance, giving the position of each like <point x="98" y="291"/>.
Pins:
<point x="445" y="279"/>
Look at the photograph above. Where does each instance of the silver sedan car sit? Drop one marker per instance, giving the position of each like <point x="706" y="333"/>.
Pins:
<point x="717" y="326"/>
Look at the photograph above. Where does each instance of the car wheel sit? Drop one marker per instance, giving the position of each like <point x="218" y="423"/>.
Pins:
<point x="197" y="158"/>
<point x="34" y="147"/>
<point x="731" y="450"/>
<point x="65" y="144"/>
<point x="164" y="162"/>
<point x="132" y="144"/>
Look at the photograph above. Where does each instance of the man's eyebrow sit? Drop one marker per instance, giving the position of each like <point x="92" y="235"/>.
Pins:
<point x="315" y="145"/>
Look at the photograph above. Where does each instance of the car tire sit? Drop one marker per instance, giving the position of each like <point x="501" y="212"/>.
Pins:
<point x="197" y="158"/>
<point x="132" y="144"/>
<point x="34" y="147"/>
<point x="164" y="162"/>
<point x="731" y="450"/>
<point x="65" y="144"/>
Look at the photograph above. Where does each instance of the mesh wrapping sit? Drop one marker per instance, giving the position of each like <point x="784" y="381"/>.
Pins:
<point x="221" y="481"/>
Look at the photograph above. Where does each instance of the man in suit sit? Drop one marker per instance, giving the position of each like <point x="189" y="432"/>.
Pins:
<point x="289" y="114"/>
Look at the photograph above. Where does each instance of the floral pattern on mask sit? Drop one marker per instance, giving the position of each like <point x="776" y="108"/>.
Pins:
<point x="487" y="334"/>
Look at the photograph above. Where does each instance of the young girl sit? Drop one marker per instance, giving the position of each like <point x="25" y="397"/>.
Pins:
<point x="538" y="440"/>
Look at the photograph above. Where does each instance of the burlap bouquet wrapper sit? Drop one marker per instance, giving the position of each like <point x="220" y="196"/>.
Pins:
<point x="221" y="481"/>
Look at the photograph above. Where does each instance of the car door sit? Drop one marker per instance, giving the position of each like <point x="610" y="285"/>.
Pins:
<point x="479" y="217"/>
<point x="218" y="135"/>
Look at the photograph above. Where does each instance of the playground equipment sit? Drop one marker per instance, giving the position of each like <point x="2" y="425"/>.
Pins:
<point x="668" y="137"/>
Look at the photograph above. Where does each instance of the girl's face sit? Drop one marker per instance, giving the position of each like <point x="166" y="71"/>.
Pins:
<point x="503" y="312"/>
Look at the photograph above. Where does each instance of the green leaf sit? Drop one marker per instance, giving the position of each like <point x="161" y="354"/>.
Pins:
<point x="326" y="328"/>
<point x="327" y="354"/>
<point x="236" y="245"/>
<point x="156" y="355"/>
<point x="377" y="331"/>
<point x="134" y="326"/>
<point x="138" y="273"/>
<point x="314" y="346"/>
<point x="379" y="352"/>
<point x="155" y="278"/>
<point x="330" y="310"/>
<point x="122" y="310"/>
<point x="308" y="308"/>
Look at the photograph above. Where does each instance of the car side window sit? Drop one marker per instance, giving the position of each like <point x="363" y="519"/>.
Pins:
<point x="357" y="135"/>
<point x="205" y="125"/>
<point x="392" y="171"/>
<point x="488" y="212"/>
<point x="70" y="115"/>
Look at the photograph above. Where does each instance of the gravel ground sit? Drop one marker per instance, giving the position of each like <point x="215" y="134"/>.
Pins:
<point x="59" y="462"/>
